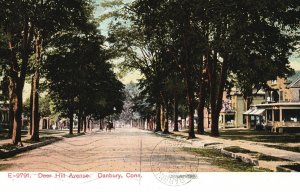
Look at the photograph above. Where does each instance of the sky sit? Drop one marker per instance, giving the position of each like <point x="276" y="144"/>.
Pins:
<point x="295" y="62"/>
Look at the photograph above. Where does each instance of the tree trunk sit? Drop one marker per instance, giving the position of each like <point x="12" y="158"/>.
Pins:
<point x="89" y="124"/>
<point x="191" y="121"/>
<point x="190" y="110"/>
<point x="158" y="125"/>
<point x="71" y="124"/>
<point x="248" y="101"/>
<point x="100" y="125"/>
<point x="35" y="108"/>
<point x="84" y="124"/>
<point x="16" y="99"/>
<point x="212" y="74"/>
<point x="17" y="118"/>
<point x="35" y="91"/>
<point x="11" y="112"/>
<point x="30" y="108"/>
<point x="79" y="121"/>
<point x="162" y="117"/>
<point x="216" y="91"/>
<point x="200" y="110"/>
<point x="189" y="73"/>
<point x="166" y="121"/>
<point x="175" y="115"/>
<point x="17" y="76"/>
<point x="200" y="128"/>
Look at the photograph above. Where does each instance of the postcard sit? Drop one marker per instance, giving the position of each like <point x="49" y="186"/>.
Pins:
<point x="142" y="95"/>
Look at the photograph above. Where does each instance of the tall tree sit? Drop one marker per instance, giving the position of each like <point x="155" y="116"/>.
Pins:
<point x="25" y="25"/>
<point x="80" y="79"/>
<point x="224" y="33"/>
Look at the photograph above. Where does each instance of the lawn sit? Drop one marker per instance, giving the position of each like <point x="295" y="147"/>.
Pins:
<point x="236" y="149"/>
<point x="285" y="147"/>
<point x="215" y="157"/>
<point x="260" y="136"/>
<point x="42" y="139"/>
<point x="4" y="133"/>
<point x="259" y="156"/>
<point x="4" y="166"/>
<point x="73" y="135"/>
<point x="8" y="147"/>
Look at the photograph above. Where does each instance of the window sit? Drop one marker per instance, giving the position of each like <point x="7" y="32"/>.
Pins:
<point x="269" y="115"/>
<point x="276" y="115"/>
<point x="281" y="95"/>
<point x="229" y="118"/>
<point x="292" y="115"/>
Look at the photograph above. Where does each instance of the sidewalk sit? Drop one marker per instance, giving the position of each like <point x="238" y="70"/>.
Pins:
<point x="43" y="133"/>
<point x="46" y="137"/>
<point x="202" y="141"/>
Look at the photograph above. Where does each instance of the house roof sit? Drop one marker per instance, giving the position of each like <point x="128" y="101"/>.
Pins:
<point x="236" y="91"/>
<point x="294" y="104"/>
<point x="294" y="81"/>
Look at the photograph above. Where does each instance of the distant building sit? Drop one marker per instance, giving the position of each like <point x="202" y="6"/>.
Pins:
<point x="233" y="109"/>
<point x="281" y="110"/>
<point x="234" y="106"/>
<point x="4" y="116"/>
<point x="284" y="89"/>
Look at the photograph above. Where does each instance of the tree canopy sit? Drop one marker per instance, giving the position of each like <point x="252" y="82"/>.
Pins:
<point x="209" y="45"/>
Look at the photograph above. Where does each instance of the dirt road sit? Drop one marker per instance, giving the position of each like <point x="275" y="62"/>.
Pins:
<point x="121" y="150"/>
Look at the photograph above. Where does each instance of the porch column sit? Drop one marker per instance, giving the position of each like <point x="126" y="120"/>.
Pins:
<point x="223" y="121"/>
<point x="235" y="120"/>
<point x="249" y="121"/>
<point x="280" y="115"/>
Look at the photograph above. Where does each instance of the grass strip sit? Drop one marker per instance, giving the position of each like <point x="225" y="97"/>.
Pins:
<point x="215" y="157"/>
<point x="73" y="135"/>
<point x="236" y="149"/>
<point x="295" y="167"/>
<point x="284" y="147"/>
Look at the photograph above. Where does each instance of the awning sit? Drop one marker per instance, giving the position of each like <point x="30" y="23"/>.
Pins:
<point x="249" y="111"/>
<point x="258" y="112"/>
<point x="254" y="112"/>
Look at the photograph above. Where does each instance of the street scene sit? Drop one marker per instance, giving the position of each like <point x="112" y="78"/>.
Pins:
<point x="137" y="150"/>
<point x="122" y="150"/>
<point x="149" y="86"/>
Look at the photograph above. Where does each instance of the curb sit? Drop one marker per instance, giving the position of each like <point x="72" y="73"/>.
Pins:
<point x="244" y="159"/>
<point x="280" y="168"/>
<point x="240" y="157"/>
<point x="8" y="154"/>
<point x="211" y="144"/>
<point x="283" y="169"/>
<point x="173" y="137"/>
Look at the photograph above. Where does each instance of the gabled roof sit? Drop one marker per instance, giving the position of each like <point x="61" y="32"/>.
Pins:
<point x="294" y="81"/>
<point x="293" y="77"/>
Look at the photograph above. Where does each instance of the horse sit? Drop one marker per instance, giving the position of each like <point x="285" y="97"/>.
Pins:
<point x="109" y="126"/>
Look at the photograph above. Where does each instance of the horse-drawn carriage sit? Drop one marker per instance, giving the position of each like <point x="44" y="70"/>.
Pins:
<point x="109" y="126"/>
